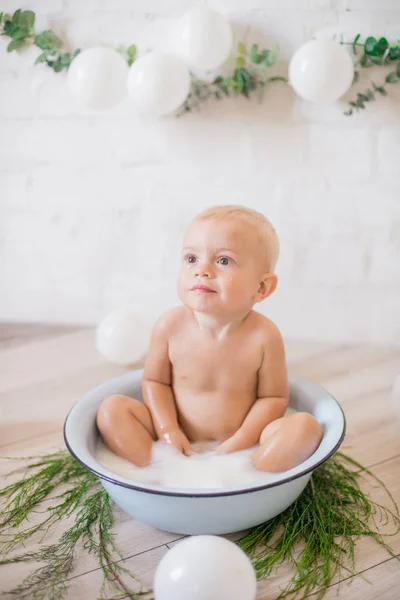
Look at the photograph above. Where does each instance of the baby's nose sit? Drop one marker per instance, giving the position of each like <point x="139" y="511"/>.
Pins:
<point x="203" y="270"/>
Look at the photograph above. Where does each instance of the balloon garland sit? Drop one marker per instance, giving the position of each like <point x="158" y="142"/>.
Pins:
<point x="320" y="71"/>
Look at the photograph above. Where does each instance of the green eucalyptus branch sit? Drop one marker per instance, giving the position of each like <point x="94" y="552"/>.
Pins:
<point x="250" y="74"/>
<point x="374" y="53"/>
<point x="250" y="71"/>
<point x="317" y="534"/>
<point x="84" y="498"/>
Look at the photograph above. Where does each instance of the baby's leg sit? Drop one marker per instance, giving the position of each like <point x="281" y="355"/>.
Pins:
<point x="287" y="442"/>
<point x="127" y="428"/>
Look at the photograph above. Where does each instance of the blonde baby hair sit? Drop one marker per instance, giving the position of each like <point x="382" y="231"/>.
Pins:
<point x="262" y="226"/>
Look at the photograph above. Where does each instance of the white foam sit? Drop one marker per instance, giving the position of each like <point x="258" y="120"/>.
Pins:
<point x="204" y="469"/>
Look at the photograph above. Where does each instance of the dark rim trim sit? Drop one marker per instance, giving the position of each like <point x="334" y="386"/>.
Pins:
<point x="212" y="494"/>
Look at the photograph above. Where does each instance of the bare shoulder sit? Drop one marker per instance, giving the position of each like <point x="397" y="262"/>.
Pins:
<point x="265" y="328"/>
<point x="168" y="323"/>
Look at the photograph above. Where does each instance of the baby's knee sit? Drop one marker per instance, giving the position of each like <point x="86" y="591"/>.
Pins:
<point x="308" y="425"/>
<point x="109" y="409"/>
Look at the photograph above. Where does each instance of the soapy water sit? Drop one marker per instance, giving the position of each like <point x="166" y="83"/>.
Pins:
<point x="204" y="469"/>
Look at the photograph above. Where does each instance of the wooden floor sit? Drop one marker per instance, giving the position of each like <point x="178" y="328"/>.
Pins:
<point x="45" y="370"/>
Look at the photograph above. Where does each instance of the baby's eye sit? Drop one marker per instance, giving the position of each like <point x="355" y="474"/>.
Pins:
<point x="191" y="259"/>
<point x="224" y="261"/>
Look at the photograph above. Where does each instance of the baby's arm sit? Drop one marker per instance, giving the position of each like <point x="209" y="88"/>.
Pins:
<point x="157" y="390"/>
<point x="272" y="395"/>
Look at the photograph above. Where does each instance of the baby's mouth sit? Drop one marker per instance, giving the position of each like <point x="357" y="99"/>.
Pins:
<point x="202" y="289"/>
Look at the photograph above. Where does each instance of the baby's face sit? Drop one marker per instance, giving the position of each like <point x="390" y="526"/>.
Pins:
<point x="221" y="267"/>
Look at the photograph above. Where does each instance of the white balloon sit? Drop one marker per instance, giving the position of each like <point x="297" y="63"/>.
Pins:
<point x="321" y="71"/>
<point x="97" y="78"/>
<point x="123" y="337"/>
<point x="203" y="38"/>
<point x="158" y="83"/>
<point x="205" y="567"/>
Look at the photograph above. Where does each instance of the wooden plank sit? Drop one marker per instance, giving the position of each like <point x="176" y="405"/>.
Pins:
<point x="46" y="360"/>
<point x="366" y="380"/>
<point x="373" y="426"/>
<point x="41" y="407"/>
<point x="368" y="552"/>
<point x="385" y="580"/>
<point x="298" y="351"/>
<point x="343" y="361"/>
<point x="19" y="334"/>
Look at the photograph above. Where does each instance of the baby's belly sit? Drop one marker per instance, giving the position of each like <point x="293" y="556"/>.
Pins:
<point x="212" y="415"/>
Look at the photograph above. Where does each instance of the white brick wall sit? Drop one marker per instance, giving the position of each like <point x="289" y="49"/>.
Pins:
<point x="92" y="207"/>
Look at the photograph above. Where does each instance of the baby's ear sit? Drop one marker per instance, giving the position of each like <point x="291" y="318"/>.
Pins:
<point x="267" y="287"/>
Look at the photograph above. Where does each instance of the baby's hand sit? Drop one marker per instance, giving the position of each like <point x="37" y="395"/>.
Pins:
<point x="178" y="440"/>
<point x="238" y="441"/>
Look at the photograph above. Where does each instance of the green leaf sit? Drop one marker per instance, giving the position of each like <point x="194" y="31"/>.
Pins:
<point x="355" y="43"/>
<point x="382" y="46"/>
<point x="266" y="58"/>
<point x="65" y="60"/>
<point x="356" y="77"/>
<point x="16" y="16"/>
<point x="369" y="95"/>
<point x="22" y="33"/>
<point x="47" y="40"/>
<point x="255" y="57"/>
<point x="365" y="60"/>
<point x="381" y="90"/>
<point x="131" y="51"/>
<point x="240" y="62"/>
<point x="369" y="46"/>
<point x="27" y="19"/>
<point x="14" y="44"/>
<point x="394" y="53"/>
<point x="274" y="53"/>
<point x="241" y="48"/>
<point x="10" y="28"/>
<point x="391" y="78"/>
<point x="41" y="58"/>
<point x="362" y="97"/>
<point x="348" y="113"/>
<point x="57" y="66"/>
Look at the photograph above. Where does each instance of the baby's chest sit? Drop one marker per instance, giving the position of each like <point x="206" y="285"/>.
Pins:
<point x="208" y="364"/>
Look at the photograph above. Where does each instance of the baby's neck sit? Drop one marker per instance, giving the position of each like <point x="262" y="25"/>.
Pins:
<point x="219" y="326"/>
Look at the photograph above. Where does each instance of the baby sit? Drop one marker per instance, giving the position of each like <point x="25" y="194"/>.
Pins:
<point x="216" y="369"/>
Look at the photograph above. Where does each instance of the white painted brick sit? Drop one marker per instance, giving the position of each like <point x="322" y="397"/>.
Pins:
<point x="332" y="263"/>
<point x="57" y="188"/>
<point x="44" y="6"/>
<point x="358" y="211"/>
<point x="278" y="149"/>
<point x="371" y="4"/>
<point x="138" y="141"/>
<point x="266" y="29"/>
<point x="56" y="252"/>
<point x="55" y="141"/>
<point x="51" y="95"/>
<point x="175" y="7"/>
<point x="13" y="190"/>
<point x="93" y="207"/>
<point x="15" y="100"/>
<point x="385" y="265"/>
<point x="389" y="150"/>
<point x="238" y="5"/>
<point x="342" y="152"/>
<point x="208" y="153"/>
<point x="337" y="315"/>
